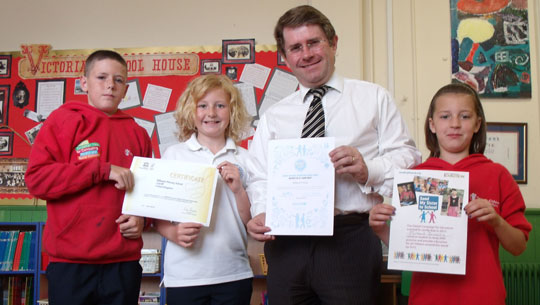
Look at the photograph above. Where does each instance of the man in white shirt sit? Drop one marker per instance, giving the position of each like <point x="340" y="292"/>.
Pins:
<point x="372" y="140"/>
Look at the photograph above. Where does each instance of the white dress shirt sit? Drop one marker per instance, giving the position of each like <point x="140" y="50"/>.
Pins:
<point x="219" y="253"/>
<point x="358" y="114"/>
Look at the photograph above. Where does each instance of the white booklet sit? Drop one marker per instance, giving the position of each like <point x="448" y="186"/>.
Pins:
<point x="171" y="190"/>
<point x="300" y="187"/>
<point x="429" y="231"/>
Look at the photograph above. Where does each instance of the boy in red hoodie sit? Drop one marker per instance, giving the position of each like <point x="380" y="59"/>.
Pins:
<point x="80" y="164"/>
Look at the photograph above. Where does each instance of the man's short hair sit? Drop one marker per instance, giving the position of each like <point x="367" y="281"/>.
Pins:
<point x="100" y="55"/>
<point x="302" y="15"/>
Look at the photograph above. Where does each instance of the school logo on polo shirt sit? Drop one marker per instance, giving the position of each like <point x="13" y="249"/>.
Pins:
<point x="87" y="150"/>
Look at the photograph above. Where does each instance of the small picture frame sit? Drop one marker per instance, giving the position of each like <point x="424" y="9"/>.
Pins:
<point x="210" y="66"/>
<point x="280" y="59"/>
<point x="4" y="104"/>
<point x="77" y="88"/>
<point x="232" y="73"/>
<point x="6" y="143"/>
<point x="5" y="66"/>
<point x="506" y="143"/>
<point x="238" y="51"/>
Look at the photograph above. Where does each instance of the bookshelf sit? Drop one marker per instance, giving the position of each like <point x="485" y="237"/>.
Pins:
<point x="33" y="273"/>
<point x="18" y="261"/>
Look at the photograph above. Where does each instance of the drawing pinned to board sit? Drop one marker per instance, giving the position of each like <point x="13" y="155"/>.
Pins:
<point x="490" y="46"/>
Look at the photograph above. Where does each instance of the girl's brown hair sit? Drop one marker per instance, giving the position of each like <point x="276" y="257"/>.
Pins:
<point x="478" y="141"/>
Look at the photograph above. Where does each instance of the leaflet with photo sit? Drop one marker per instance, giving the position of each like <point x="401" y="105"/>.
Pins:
<point x="429" y="230"/>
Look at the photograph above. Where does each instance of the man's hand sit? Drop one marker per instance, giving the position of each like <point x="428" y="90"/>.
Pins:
<point x="256" y="228"/>
<point x="348" y="160"/>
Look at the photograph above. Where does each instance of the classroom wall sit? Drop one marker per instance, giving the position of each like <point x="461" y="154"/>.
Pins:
<point x="403" y="45"/>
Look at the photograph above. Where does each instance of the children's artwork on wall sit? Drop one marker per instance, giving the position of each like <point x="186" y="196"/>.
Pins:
<point x="490" y="47"/>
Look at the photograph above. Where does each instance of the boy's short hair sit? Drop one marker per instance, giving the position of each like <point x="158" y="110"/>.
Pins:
<point x="100" y="55"/>
<point x="197" y="89"/>
<point x="478" y="141"/>
<point x="299" y="16"/>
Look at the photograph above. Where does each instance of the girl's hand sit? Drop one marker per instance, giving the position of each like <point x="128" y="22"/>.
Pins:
<point x="379" y="215"/>
<point x="186" y="233"/>
<point x="231" y="175"/>
<point x="482" y="210"/>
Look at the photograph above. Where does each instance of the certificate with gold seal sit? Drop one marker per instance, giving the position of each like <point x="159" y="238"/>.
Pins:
<point x="171" y="190"/>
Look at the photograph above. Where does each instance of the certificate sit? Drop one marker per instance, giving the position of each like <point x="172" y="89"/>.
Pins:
<point x="171" y="190"/>
<point x="429" y="231"/>
<point x="300" y="187"/>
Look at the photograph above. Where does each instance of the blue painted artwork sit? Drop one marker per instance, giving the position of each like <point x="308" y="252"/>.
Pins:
<point x="490" y="47"/>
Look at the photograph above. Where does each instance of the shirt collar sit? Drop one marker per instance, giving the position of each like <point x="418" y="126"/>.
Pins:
<point x="194" y="145"/>
<point x="335" y="83"/>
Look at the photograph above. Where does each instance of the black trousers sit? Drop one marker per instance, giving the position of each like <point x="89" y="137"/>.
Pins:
<point x="229" y="293"/>
<point x="94" y="284"/>
<point x="342" y="269"/>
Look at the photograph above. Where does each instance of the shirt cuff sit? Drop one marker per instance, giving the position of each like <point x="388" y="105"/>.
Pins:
<point x="257" y="209"/>
<point x="375" y="176"/>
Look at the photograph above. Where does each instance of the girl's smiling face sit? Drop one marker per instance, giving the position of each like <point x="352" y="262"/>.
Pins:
<point x="454" y="122"/>
<point x="212" y="116"/>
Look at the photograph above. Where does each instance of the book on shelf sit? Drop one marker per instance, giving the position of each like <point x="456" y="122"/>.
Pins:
<point x="17" y="289"/>
<point x="23" y="263"/>
<point x="8" y="263"/>
<point x="31" y="252"/>
<point x="149" y="298"/>
<point x="16" y="247"/>
<point x="18" y="252"/>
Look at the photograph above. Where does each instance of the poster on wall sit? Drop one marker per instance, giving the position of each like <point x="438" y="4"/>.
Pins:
<point x="36" y="80"/>
<point x="490" y="47"/>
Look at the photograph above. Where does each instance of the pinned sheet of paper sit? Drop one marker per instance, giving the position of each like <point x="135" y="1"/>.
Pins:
<point x="255" y="75"/>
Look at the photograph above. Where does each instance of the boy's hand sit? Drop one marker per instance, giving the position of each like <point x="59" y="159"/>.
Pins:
<point x="186" y="233"/>
<point x="130" y="226"/>
<point x="231" y="175"/>
<point x="482" y="210"/>
<point x="123" y="177"/>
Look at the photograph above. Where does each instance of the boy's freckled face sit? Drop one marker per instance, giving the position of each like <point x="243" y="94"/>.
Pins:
<point x="105" y="84"/>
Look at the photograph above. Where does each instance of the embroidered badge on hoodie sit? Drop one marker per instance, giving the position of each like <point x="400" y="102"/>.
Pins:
<point x="87" y="150"/>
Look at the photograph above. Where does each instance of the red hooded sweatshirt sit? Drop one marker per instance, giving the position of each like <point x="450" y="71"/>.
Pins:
<point x="483" y="282"/>
<point x="69" y="167"/>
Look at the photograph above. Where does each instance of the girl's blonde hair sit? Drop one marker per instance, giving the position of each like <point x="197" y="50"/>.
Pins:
<point x="197" y="89"/>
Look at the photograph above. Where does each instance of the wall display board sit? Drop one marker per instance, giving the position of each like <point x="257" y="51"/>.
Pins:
<point x="37" y="79"/>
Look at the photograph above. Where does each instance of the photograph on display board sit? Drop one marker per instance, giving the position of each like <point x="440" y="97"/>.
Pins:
<point x="210" y="66"/>
<point x="5" y="66"/>
<point x="21" y="95"/>
<point x="241" y="51"/>
<point x="4" y="104"/>
<point x="12" y="175"/>
<point x="6" y="143"/>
